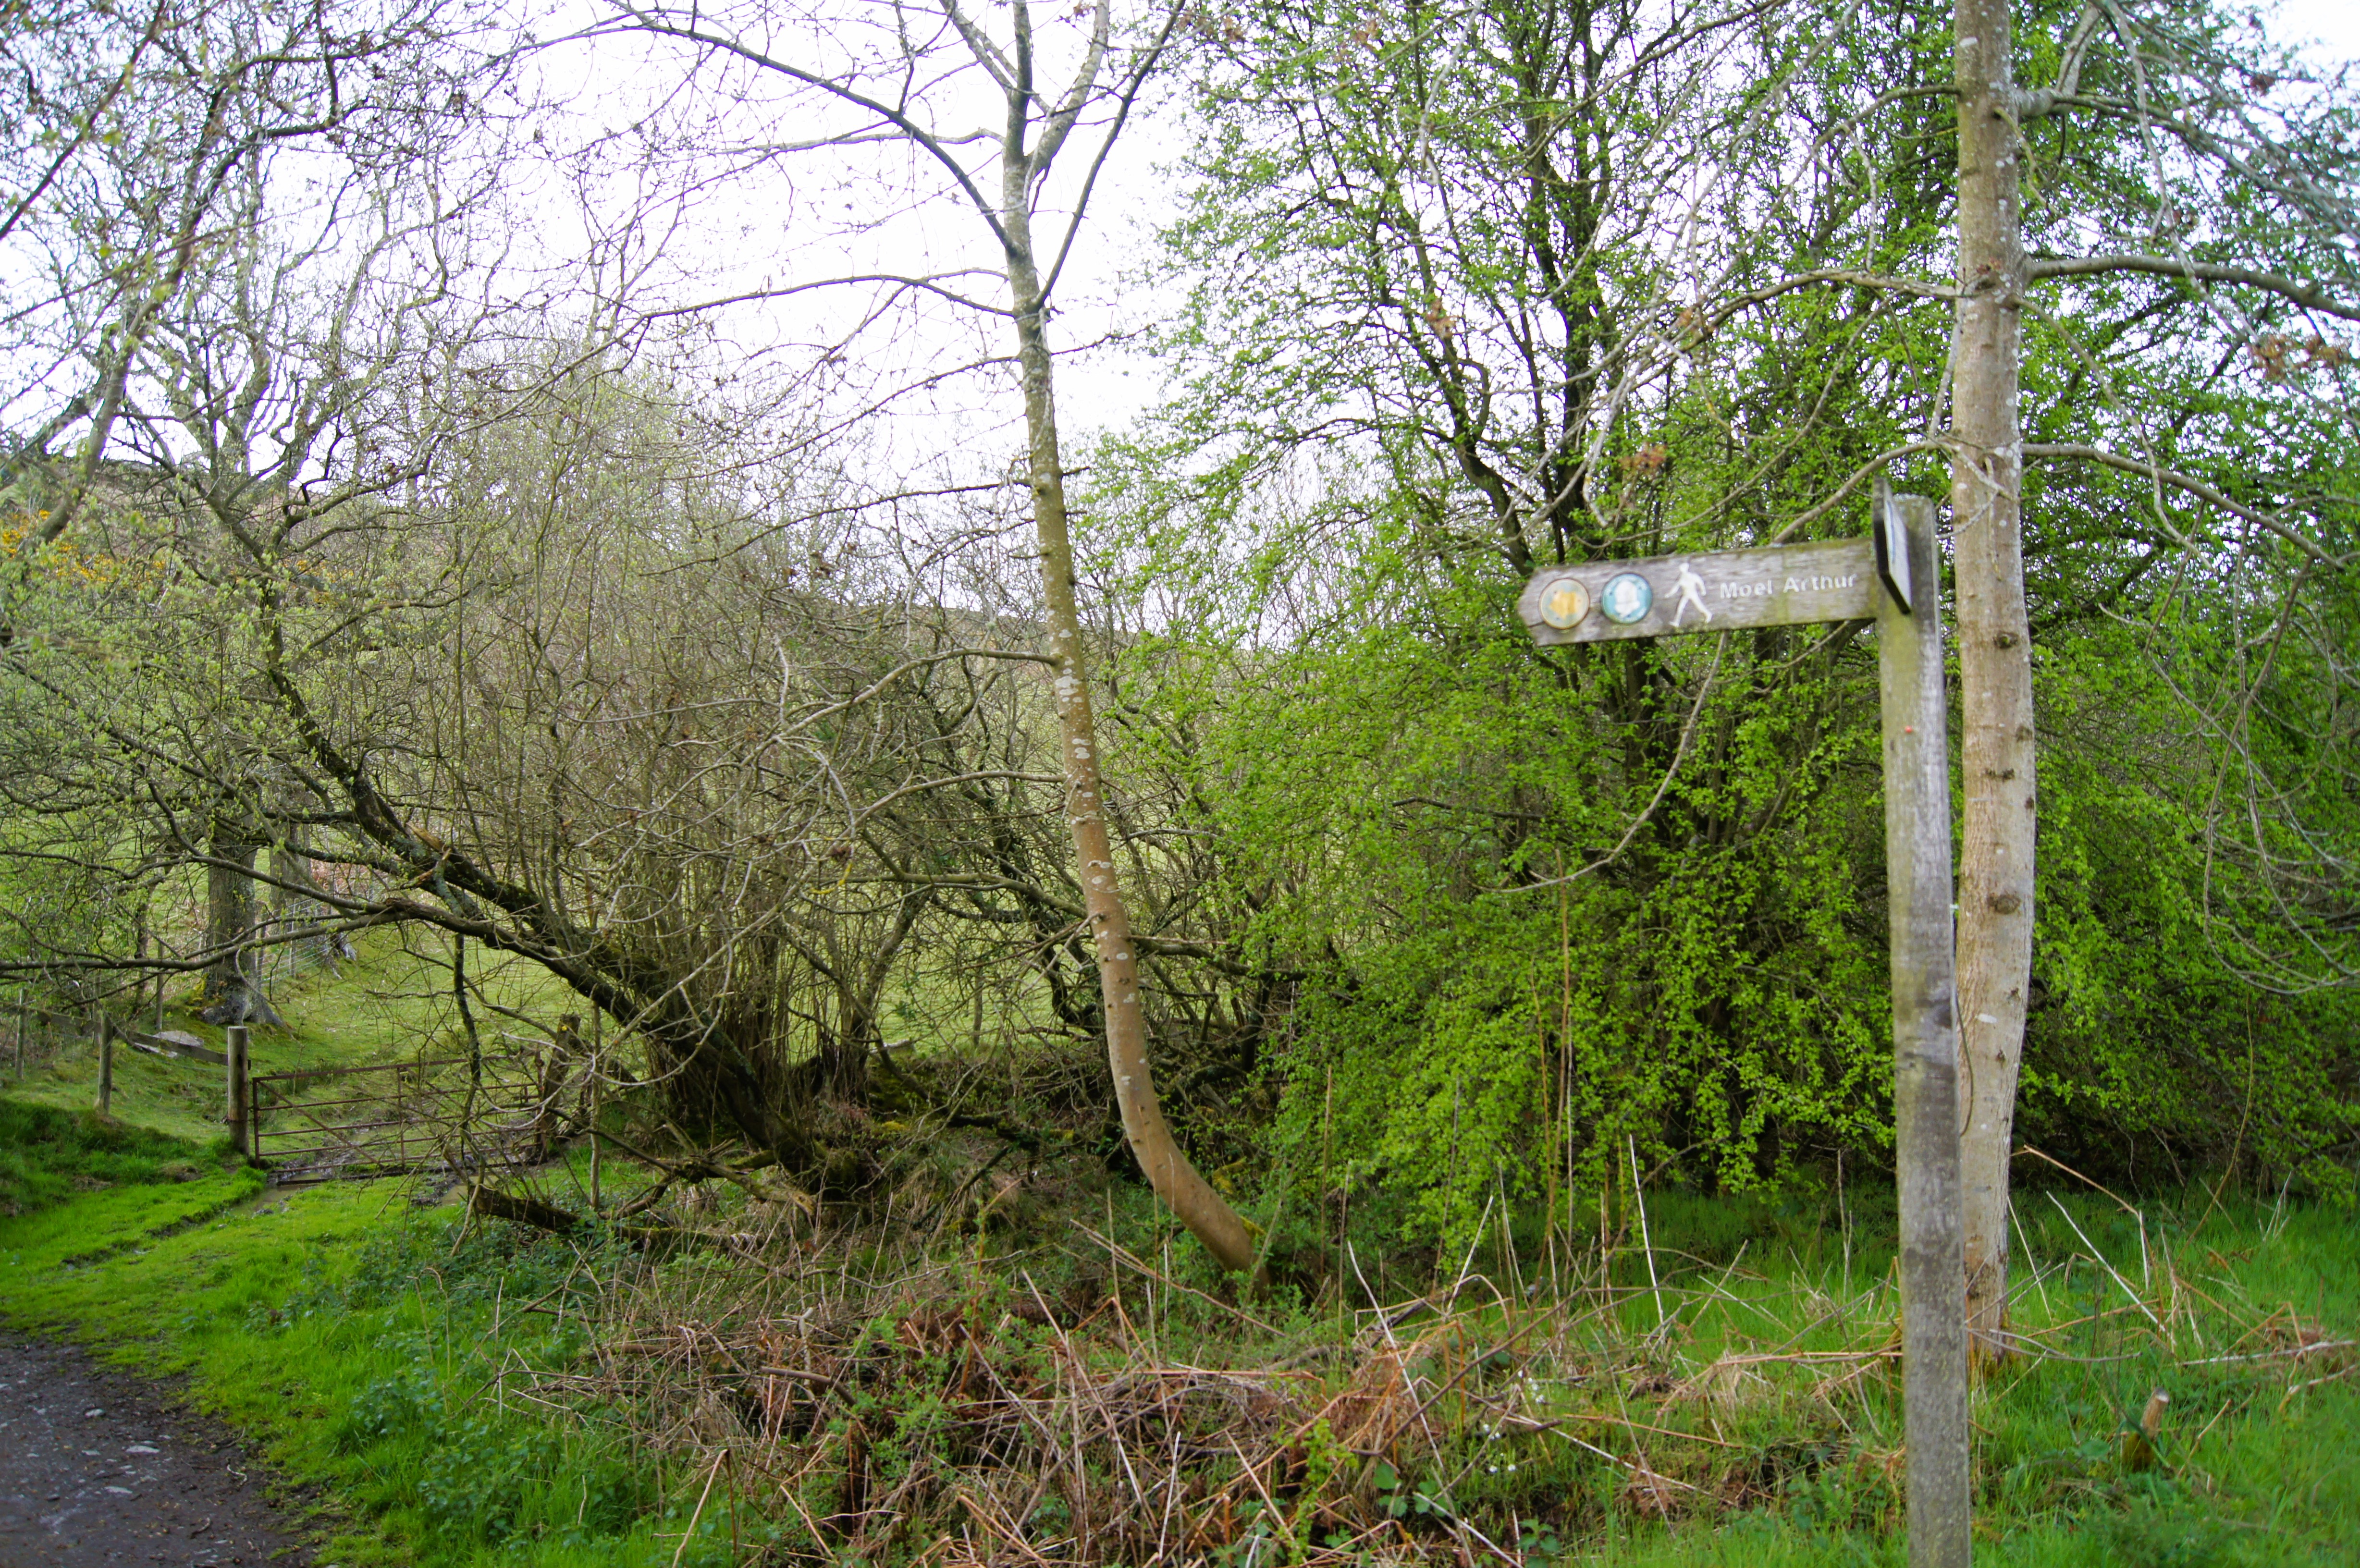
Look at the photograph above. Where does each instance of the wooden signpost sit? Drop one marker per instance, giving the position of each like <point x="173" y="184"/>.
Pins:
<point x="1891" y="578"/>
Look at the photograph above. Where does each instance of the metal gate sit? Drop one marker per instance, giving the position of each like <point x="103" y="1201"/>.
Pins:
<point x="391" y="1118"/>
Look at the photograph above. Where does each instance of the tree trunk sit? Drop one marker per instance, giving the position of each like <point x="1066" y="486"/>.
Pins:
<point x="1167" y="1169"/>
<point x="231" y="995"/>
<point x="1995" y="860"/>
<point x="290" y="870"/>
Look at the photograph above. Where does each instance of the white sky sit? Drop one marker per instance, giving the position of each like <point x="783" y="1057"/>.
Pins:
<point x="2334" y="25"/>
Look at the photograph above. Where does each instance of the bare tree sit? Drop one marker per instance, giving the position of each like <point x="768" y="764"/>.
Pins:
<point x="897" y="96"/>
<point x="245" y="415"/>
<point x="125" y="140"/>
<point x="2195" y="106"/>
<point x="1994" y="638"/>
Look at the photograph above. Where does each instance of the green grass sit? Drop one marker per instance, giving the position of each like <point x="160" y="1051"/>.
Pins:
<point x="382" y="1354"/>
<point x="46" y="1155"/>
<point x="341" y="1325"/>
<point x="2260" y="1459"/>
<point x="387" y="1354"/>
<point x="2260" y="1450"/>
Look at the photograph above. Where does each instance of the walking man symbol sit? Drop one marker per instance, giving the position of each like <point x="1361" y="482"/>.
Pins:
<point x="1691" y="591"/>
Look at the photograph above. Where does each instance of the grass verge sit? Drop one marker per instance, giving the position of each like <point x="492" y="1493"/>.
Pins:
<point x="47" y="1154"/>
<point x="342" y="1327"/>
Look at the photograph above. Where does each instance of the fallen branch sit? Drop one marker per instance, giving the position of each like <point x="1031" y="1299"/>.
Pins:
<point x="694" y="1171"/>
<point x="493" y="1203"/>
<point x="528" y="1211"/>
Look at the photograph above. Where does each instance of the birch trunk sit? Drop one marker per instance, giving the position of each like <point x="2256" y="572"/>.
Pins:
<point x="1175" y="1181"/>
<point x="1995" y="860"/>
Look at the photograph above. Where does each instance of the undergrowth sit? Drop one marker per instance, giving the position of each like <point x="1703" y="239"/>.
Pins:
<point x="1725" y="1392"/>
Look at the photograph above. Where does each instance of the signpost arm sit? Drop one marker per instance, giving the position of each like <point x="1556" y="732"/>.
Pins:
<point x="1924" y="1053"/>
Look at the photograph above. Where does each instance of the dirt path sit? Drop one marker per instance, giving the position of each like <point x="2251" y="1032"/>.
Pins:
<point x="98" y="1465"/>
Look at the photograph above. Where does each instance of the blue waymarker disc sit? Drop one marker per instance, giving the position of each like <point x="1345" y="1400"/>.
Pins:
<point x="1626" y="598"/>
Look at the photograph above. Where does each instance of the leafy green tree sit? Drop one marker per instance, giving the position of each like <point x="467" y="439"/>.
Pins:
<point x="1489" y="288"/>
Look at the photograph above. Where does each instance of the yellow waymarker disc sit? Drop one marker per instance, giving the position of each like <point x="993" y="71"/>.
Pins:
<point x="1565" y="604"/>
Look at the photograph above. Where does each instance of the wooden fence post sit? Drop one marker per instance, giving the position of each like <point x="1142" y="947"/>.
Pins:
<point x="241" y="1127"/>
<point x="1925" y="1049"/>
<point x="106" y="1064"/>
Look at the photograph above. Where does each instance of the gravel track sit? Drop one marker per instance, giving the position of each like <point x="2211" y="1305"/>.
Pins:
<point x="100" y="1465"/>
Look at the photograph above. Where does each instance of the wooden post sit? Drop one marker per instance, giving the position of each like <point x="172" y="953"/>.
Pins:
<point x="1925" y="1049"/>
<point x="20" y="1034"/>
<point x="106" y="1064"/>
<point x="598" y="1039"/>
<point x="241" y="1127"/>
<point x="1895" y="576"/>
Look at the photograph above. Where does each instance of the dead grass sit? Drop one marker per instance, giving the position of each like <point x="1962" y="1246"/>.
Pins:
<point x="882" y="1397"/>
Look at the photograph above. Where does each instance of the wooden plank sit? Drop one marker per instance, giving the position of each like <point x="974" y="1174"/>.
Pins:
<point x="1890" y="533"/>
<point x="238" y="1111"/>
<point x="1607" y="601"/>
<point x="1924" y="1052"/>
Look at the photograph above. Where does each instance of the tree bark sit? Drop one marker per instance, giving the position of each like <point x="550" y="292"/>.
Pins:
<point x="1175" y="1181"/>
<point x="231" y="995"/>
<point x="1995" y="860"/>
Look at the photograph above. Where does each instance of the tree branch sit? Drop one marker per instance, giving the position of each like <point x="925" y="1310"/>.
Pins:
<point x="650" y="22"/>
<point x="2310" y="296"/>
